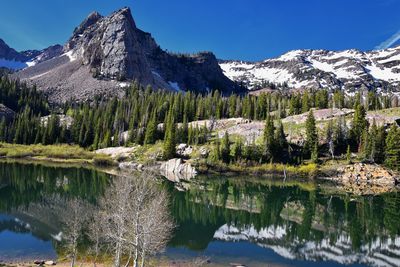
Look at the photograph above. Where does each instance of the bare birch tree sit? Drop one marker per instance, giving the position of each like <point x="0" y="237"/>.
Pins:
<point x="74" y="217"/>
<point x="136" y="218"/>
<point x="95" y="233"/>
<point x="115" y="213"/>
<point x="156" y="227"/>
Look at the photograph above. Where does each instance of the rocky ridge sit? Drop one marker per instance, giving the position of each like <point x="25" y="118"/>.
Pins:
<point x="348" y="70"/>
<point x="13" y="60"/>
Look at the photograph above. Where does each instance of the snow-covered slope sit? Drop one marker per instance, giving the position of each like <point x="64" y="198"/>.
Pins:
<point x="13" y="60"/>
<point x="349" y="70"/>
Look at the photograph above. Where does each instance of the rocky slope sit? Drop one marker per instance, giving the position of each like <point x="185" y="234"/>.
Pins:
<point x="349" y="70"/>
<point x="104" y="54"/>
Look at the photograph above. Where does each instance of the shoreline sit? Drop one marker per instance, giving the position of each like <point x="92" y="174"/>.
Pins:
<point x="335" y="171"/>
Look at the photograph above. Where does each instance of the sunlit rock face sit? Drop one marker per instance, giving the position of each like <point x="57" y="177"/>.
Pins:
<point x="106" y="53"/>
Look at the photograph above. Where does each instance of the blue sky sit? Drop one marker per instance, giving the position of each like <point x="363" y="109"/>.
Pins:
<point x="232" y="29"/>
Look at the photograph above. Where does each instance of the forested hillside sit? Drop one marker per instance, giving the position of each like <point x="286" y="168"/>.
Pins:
<point x="146" y="116"/>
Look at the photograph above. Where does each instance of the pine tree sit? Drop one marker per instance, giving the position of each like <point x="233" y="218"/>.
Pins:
<point x="151" y="130"/>
<point x="170" y="137"/>
<point x="281" y="144"/>
<point x="359" y="124"/>
<point x="305" y="102"/>
<point x="237" y="149"/>
<point x="311" y="133"/>
<point x="269" y="141"/>
<point x="225" y="148"/>
<point x="392" y="154"/>
<point x="365" y="145"/>
<point x="184" y="130"/>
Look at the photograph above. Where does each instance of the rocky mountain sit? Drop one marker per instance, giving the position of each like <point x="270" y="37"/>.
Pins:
<point x="105" y="54"/>
<point x="349" y="70"/>
<point x="13" y="60"/>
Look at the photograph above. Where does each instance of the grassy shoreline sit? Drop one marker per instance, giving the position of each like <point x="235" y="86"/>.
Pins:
<point x="61" y="154"/>
<point x="71" y="155"/>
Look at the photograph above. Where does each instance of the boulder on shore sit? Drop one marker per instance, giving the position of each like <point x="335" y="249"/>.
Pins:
<point x="176" y="170"/>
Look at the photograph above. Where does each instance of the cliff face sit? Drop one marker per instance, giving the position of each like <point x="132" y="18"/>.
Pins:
<point x="105" y="53"/>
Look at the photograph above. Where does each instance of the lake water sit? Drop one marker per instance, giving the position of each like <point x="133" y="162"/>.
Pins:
<point x="235" y="220"/>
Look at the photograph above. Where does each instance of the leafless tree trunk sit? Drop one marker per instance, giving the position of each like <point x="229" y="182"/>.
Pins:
<point x="96" y="234"/>
<point x="115" y="210"/>
<point x="74" y="217"/>
<point x="136" y="217"/>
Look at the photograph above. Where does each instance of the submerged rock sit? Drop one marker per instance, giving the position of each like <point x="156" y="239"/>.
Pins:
<point x="176" y="170"/>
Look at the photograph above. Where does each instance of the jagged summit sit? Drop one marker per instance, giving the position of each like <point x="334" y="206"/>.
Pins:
<point x="90" y="20"/>
<point x="105" y="53"/>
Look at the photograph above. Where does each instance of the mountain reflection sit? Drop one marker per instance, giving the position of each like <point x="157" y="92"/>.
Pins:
<point x="297" y="221"/>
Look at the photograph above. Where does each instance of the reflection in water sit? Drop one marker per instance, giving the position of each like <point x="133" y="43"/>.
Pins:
<point x="296" y="221"/>
<point x="230" y="220"/>
<point x="29" y="222"/>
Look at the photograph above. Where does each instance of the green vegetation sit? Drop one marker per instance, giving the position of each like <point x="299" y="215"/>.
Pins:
<point x="152" y="118"/>
<point x="61" y="153"/>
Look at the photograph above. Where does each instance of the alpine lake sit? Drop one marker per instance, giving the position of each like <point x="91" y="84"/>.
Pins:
<point x="247" y="220"/>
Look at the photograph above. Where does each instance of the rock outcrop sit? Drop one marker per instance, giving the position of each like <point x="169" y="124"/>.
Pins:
<point x="6" y="113"/>
<point x="365" y="179"/>
<point x="176" y="170"/>
<point x="105" y="54"/>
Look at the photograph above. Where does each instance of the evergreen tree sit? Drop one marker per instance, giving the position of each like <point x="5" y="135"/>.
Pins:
<point x="322" y="99"/>
<point x="170" y="138"/>
<point x="225" y="148"/>
<point x="305" y="102"/>
<point x="269" y="141"/>
<point x="359" y="124"/>
<point x="314" y="153"/>
<point x="392" y="159"/>
<point x="151" y="130"/>
<point x="311" y="133"/>
<point x="237" y="149"/>
<point x="281" y="144"/>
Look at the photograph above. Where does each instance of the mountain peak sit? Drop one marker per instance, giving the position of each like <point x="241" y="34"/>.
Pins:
<point x="124" y="14"/>
<point x="106" y="52"/>
<point x="93" y="18"/>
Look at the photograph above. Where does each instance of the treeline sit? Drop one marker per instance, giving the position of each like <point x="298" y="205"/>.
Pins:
<point x="18" y="96"/>
<point x="145" y="116"/>
<point x="372" y="143"/>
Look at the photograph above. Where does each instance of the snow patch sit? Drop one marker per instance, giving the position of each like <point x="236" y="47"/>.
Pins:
<point x="30" y="63"/>
<point x="70" y="54"/>
<point x="175" y="86"/>
<point x="124" y="85"/>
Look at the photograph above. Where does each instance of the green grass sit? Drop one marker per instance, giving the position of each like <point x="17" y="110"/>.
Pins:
<point x="53" y="152"/>
<point x="307" y="170"/>
<point x="388" y="112"/>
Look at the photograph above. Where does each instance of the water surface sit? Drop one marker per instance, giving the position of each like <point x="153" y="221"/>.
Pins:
<point x="241" y="220"/>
